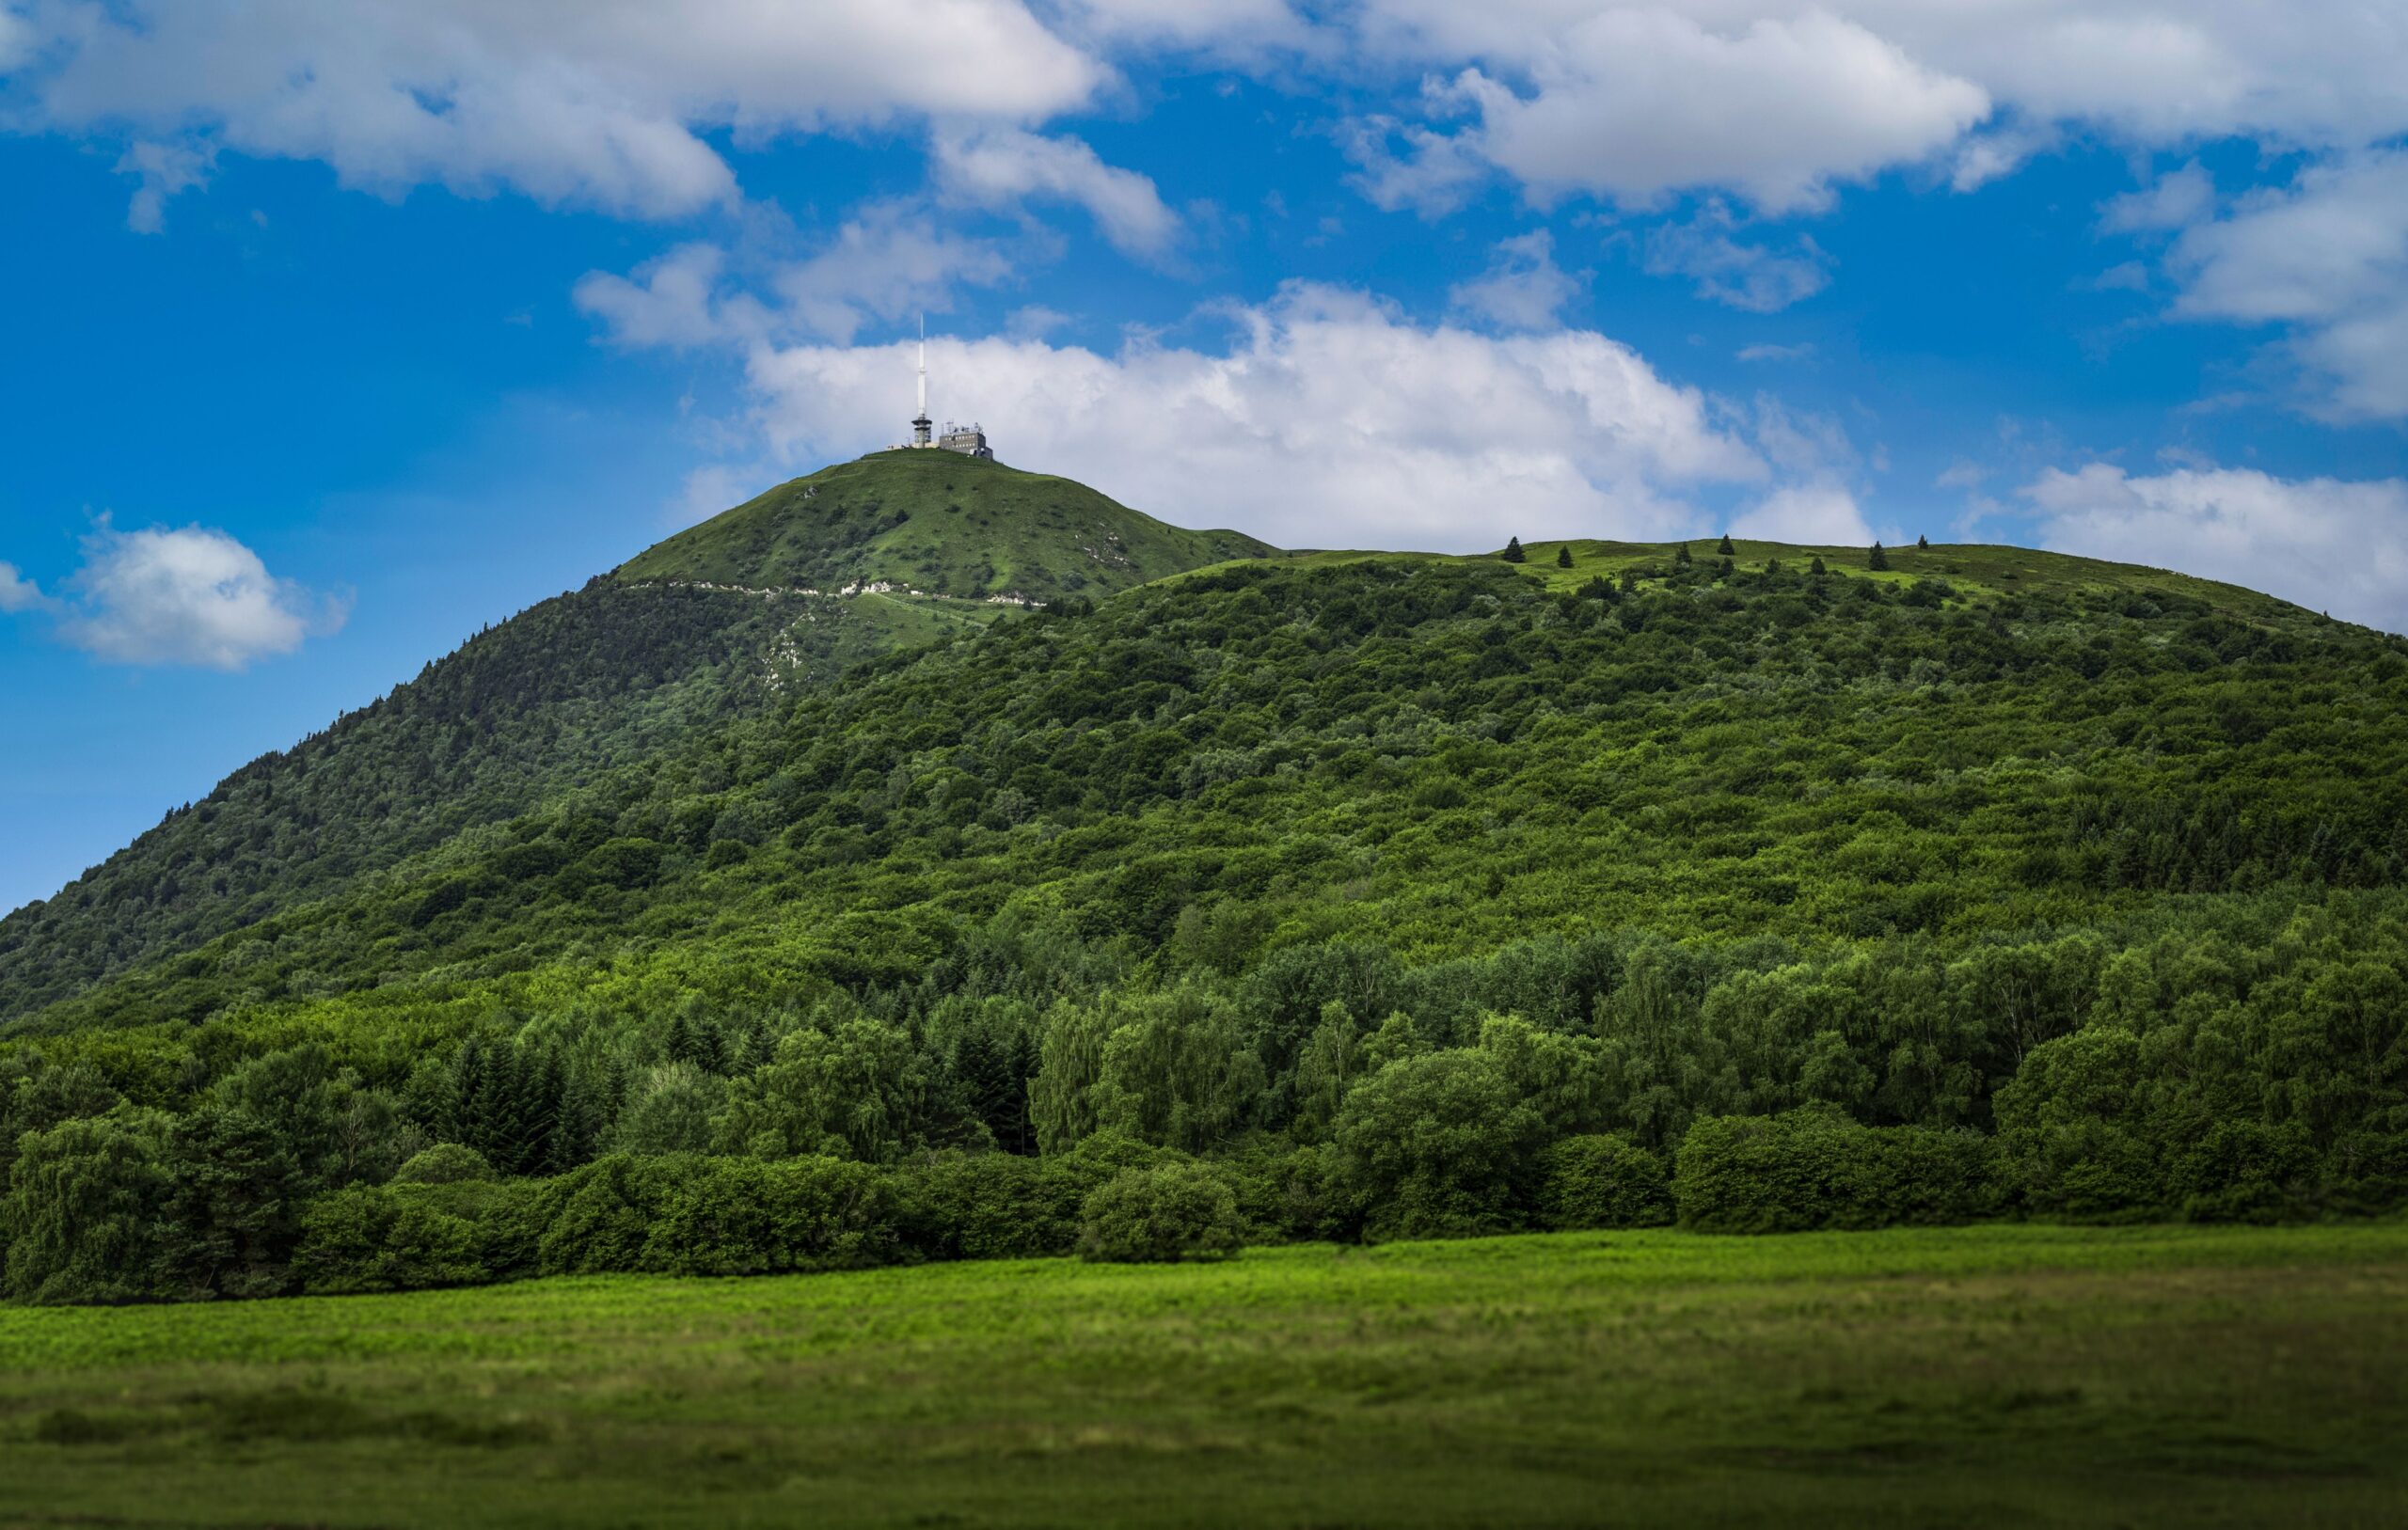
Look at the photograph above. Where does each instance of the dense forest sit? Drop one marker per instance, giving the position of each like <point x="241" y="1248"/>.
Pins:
<point x="1307" y="897"/>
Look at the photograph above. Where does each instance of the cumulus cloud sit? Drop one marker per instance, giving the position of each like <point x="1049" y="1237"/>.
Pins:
<point x="1635" y="103"/>
<point x="1523" y="288"/>
<point x="1329" y="420"/>
<point x="1753" y="276"/>
<point x="2330" y="544"/>
<point x="162" y="170"/>
<point x="18" y="593"/>
<point x="2174" y="201"/>
<point x="1819" y="514"/>
<point x="886" y="262"/>
<point x="595" y="102"/>
<point x="1003" y="167"/>
<point x="176" y="596"/>
<point x="2328" y="257"/>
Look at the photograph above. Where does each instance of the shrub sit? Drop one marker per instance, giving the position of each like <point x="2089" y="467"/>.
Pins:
<point x="396" y="1238"/>
<point x="445" y="1164"/>
<point x="1813" y="1167"/>
<point x="988" y="1205"/>
<point x="1160" y="1215"/>
<point x="1604" y="1181"/>
<point x="1439" y="1145"/>
<point x="681" y="1214"/>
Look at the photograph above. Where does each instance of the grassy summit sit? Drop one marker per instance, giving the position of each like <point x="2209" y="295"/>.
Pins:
<point x="939" y="522"/>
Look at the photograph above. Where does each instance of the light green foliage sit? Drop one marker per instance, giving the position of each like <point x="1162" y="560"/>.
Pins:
<point x="445" y="1164"/>
<point x="855" y="1090"/>
<point x="1160" y="1216"/>
<point x="1439" y="1144"/>
<point x="85" y="1217"/>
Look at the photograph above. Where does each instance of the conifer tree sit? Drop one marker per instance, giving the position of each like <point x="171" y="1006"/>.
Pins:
<point x="1563" y="555"/>
<point x="1816" y="568"/>
<point x="1681" y="555"/>
<point x="1727" y="550"/>
<point x="1923" y="541"/>
<point x="1513" y="550"/>
<point x="1877" y="559"/>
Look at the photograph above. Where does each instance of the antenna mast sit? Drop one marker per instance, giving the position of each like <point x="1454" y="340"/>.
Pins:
<point x="922" y="427"/>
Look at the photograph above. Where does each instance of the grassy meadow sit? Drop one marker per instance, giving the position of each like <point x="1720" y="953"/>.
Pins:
<point x="1984" y="1376"/>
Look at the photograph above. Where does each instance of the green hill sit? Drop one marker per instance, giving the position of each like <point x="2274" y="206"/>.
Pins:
<point x="941" y="523"/>
<point x="1412" y="895"/>
<point x="628" y="669"/>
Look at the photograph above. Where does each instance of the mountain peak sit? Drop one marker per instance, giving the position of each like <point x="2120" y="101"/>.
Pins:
<point x="934" y="523"/>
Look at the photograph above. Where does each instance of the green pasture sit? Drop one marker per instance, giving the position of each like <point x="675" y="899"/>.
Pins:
<point x="1985" y="1376"/>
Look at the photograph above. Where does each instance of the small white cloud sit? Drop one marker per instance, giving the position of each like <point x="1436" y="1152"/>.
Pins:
<point x="671" y="302"/>
<point x="1749" y="277"/>
<point x="164" y="171"/>
<point x="2129" y="277"/>
<point x="1775" y="353"/>
<point x="1435" y="174"/>
<point x="1962" y="474"/>
<point x="2329" y="544"/>
<point x="718" y="486"/>
<point x="1986" y="156"/>
<point x="1033" y="320"/>
<point x="1820" y="515"/>
<point x="186" y="596"/>
<point x="1523" y="289"/>
<point x="2175" y="199"/>
<point x="18" y="593"/>
<point x="1000" y="167"/>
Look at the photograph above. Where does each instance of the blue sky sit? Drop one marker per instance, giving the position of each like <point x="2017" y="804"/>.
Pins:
<point x="336" y="332"/>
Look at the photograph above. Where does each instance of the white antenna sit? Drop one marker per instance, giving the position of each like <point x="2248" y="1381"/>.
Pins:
<point x="919" y="422"/>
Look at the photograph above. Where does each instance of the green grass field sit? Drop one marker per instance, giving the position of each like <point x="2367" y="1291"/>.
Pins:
<point x="1975" y="1377"/>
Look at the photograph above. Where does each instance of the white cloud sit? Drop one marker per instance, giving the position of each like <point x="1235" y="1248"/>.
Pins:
<point x="1637" y="103"/>
<point x="184" y="596"/>
<point x="1328" y="421"/>
<point x="1436" y="173"/>
<point x="1523" y="288"/>
<point x="163" y="170"/>
<point x="885" y="263"/>
<point x="18" y="593"/>
<point x="2329" y="256"/>
<point x="1749" y="277"/>
<point x="1003" y="167"/>
<point x="596" y="102"/>
<point x="2329" y="544"/>
<point x="2175" y="199"/>
<point x="1775" y="353"/>
<point x="1819" y="514"/>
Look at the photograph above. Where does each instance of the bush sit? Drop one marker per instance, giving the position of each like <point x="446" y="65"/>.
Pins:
<point x="985" y="1205"/>
<point x="1157" y="1216"/>
<point x="1439" y="1146"/>
<point x="445" y="1164"/>
<point x="1604" y="1181"/>
<point x="1813" y="1167"/>
<point x="385" y="1237"/>
<point x="686" y="1215"/>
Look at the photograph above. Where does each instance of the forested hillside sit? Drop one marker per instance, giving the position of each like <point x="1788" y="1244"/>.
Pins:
<point x="1371" y="895"/>
<point x="630" y="668"/>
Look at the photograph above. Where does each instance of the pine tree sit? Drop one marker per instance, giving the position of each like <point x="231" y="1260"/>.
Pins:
<point x="1816" y="568"/>
<point x="1630" y="581"/>
<point x="1563" y="555"/>
<point x="1923" y="541"/>
<point x="1681" y="555"/>
<point x="1513" y="550"/>
<point x="1877" y="559"/>
<point x="1727" y="550"/>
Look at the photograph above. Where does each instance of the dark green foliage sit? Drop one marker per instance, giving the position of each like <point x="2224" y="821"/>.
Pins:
<point x="1604" y="1181"/>
<point x="1512" y="553"/>
<point x="1877" y="560"/>
<point x="1725" y="549"/>
<point x="1816" y="1168"/>
<point x="1563" y="555"/>
<point x="1923" y="541"/>
<point x="1681" y="555"/>
<point x="1414" y="897"/>
<point x="1160" y="1216"/>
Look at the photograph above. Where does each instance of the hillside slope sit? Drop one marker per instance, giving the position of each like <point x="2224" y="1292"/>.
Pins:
<point x="941" y="524"/>
<point x="1394" y="896"/>
<point x="628" y="669"/>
